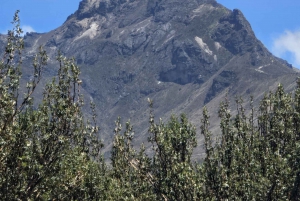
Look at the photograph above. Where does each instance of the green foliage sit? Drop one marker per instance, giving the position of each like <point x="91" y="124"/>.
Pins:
<point x="42" y="144"/>
<point x="130" y="172"/>
<point x="173" y="143"/>
<point x="255" y="161"/>
<point x="48" y="151"/>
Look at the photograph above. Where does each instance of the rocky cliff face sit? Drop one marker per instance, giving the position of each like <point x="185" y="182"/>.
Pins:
<point x="181" y="54"/>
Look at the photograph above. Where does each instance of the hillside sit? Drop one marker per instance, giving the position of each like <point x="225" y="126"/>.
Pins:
<point x="181" y="54"/>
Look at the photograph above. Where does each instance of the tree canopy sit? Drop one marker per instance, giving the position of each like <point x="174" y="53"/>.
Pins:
<point x="50" y="151"/>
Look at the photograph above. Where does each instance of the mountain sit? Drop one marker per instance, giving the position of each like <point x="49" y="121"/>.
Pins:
<point x="181" y="54"/>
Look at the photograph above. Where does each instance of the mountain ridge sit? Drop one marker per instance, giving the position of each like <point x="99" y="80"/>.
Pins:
<point x="183" y="55"/>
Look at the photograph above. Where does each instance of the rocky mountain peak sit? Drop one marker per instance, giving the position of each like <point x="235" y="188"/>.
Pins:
<point x="235" y="33"/>
<point x="89" y="8"/>
<point x="158" y="8"/>
<point x="181" y="54"/>
<point x="240" y="22"/>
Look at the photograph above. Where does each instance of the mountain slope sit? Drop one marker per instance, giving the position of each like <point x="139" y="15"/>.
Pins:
<point x="181" y="54"/>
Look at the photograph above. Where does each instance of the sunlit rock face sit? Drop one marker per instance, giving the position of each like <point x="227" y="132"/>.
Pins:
<point x="182" y="54"/>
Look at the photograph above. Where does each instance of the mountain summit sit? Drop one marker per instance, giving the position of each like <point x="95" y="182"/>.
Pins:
<point x="182" y="54"/>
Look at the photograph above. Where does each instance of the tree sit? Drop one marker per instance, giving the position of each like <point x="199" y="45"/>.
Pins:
<point x="174" y="174"/>
<point x="45" y="147"/>
<point x="130" y="174"/>
<point x="255" y="161"/>
<point x="48" y="151"/>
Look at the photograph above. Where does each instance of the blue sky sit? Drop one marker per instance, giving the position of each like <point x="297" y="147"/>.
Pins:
<point x="36" y="15"/>
<point x="275" y="22"/>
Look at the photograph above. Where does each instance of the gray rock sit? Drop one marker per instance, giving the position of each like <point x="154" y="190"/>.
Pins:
<point x="181" y="54"/>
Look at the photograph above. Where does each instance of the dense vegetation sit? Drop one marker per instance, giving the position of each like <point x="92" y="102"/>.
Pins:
<point x="48" y="151"/>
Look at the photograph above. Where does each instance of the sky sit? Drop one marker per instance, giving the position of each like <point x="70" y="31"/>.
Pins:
<point x="36" y="15"/>
<point x="275" y="22"/>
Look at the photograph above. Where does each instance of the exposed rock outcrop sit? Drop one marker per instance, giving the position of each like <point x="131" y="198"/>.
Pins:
<point x="181" y="54"/>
